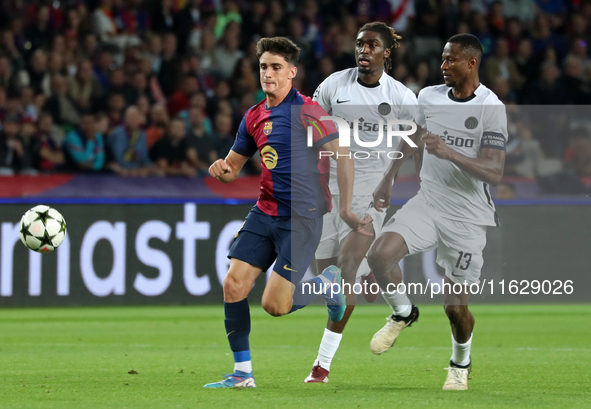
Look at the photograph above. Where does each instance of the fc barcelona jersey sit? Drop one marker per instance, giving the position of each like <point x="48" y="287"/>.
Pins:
<point x="294" y="178"/>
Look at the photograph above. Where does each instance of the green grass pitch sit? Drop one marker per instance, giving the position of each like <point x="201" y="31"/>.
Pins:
<point x="523" y="356"/>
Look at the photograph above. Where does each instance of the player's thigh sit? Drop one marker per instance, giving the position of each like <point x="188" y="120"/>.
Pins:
<point x="353" y="245"/>
<point x="296" y="243"/>
<point x="415" y="224"/>
<point x="460" y="249"/>
<point x="254" y="249"/>
<point x="294" y="254"/>
<point x="361" y="206"/>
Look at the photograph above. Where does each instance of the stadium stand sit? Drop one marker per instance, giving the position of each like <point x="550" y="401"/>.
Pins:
<point x="196" y="59"/>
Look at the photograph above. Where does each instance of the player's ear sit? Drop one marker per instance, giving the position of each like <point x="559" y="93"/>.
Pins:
<point x="293" y="72"/>
<point x="473" y="62"/>
<point x="387" y="52"/>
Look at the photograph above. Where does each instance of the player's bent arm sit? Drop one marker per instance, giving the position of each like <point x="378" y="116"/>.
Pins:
<point x="488" y="167"/>
<point x="345" y="179"/>
<point x="345" y="173"/>
<point x="407" y="151"/>
<point x="383" y="192"/>
<point x="227" y="170"/>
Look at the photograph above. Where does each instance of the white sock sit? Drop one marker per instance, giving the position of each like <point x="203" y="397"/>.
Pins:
<point x="461" y="352"/>
<point x="399" y="302"/>
<point x="328" y="348"/>
<point x="245" y="366"/>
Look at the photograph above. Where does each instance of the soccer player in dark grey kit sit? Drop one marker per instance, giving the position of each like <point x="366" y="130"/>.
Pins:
<point x="464" y="152"/>
<point x="368" y="95"/>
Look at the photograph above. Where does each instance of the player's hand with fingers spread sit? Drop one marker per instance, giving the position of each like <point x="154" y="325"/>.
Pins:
<point x="436" y="146"/>
<point x="382" y="195"/>
<point x="219" y="168"/>
<point x="355" y="222"/>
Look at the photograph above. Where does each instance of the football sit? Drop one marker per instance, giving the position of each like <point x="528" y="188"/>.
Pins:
<point x="42" y="229"/>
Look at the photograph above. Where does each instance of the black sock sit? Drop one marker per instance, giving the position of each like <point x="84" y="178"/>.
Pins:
<point x="237" y="323"/>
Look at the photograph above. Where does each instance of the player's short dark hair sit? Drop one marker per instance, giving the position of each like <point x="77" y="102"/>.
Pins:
<point x="388" y="35"/>
<point x="281" y="46"/>
<point x="467" y="42"/>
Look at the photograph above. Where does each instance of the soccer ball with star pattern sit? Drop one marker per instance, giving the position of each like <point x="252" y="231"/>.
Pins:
<point x="42" y="229"/>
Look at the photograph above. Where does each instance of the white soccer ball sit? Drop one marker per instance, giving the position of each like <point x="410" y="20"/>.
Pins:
<point x="42" y="229"/>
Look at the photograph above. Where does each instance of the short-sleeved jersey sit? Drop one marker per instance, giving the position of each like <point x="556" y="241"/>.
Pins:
<point x="344" y="95"/>
<point x="294" y="178"/>
<point x="467" y="125"/>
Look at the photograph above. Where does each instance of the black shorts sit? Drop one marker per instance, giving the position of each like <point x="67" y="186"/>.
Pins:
<point x="291" y="240"/>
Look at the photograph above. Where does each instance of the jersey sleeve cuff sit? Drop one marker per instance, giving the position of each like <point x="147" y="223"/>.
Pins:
<point x="242" y="151"/>
<point x="326" y="139"/>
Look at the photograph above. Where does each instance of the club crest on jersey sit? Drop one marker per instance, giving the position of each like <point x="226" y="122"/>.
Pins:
<point x="269" y="156"/>
<point x="268" y="128"/>
<point x="384" y="108"/>
<point x="471" y="123"/>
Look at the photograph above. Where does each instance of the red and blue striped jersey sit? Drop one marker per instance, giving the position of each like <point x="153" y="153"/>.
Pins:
<point x="294" y="179"/>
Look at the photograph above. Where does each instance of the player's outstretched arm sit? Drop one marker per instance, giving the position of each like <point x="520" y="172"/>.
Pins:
<point x="227" y="170"/>
<point x="383" y="192"/>
<point x="488" y="167"/>
<point x="345" y="179"/>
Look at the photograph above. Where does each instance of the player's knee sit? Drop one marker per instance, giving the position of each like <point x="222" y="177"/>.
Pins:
<point x="275" y="309"/>
<point x="348" y="271"/>
<point x="454" y="312"/>
<point x="379" y="260"/>
<point x="233" y="290"/>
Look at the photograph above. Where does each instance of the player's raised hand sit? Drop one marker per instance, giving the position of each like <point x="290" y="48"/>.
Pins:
<point x="382" y="195"/>
<point x="436" y="146"/>
<point x="356" y="223"/>
<point x="219" y="168"/>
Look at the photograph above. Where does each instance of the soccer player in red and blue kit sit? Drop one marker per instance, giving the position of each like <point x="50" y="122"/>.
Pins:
<point x="286" y="222"/>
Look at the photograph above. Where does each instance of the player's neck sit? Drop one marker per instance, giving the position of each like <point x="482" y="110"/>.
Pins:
<point x="276" y="99"/>
<point x="370" y="78"/>
<point x="465" y="89"/>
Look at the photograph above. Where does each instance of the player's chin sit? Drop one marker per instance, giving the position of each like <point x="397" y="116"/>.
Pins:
<point x="449" y="82"/>
<point x="365" y="69"/>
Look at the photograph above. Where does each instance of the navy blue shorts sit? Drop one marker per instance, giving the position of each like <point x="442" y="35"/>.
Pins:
<point x="291" y="241"/>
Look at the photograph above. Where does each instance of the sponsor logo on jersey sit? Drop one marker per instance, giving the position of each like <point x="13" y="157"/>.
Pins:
<point x="268" y="128"/>
<point x="269" y="156"/>
<point x="342" y="102"/>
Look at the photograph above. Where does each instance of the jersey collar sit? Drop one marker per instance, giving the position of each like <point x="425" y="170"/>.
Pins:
<point x="288" y="97"/>
<point x="365" y="84"/>
<point x="451" y="96"/>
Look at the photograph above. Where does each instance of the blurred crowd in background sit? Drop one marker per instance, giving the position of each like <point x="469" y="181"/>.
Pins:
<point x="158" y="87"/>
